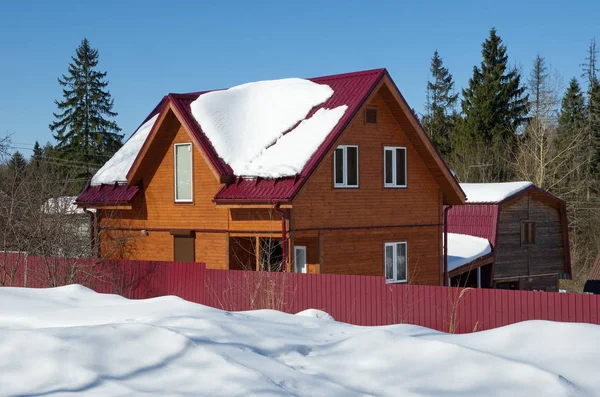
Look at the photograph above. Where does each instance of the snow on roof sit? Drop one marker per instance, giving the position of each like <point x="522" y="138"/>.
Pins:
<point x="292" y="151"/>
<point x="463" y="249"/>
<point x="246" y="124"/>
<point x="64" y="205"/>
<point x="116" y="169"/>
<point x="492" y="192"/>
<point x="57" y="341"/>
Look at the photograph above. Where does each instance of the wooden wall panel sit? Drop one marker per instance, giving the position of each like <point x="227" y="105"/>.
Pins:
<point x="319" y="204"/>
<point x="254" y="219"/>
<point x="511" y="258"/>
<point x="362" y="252"/>
<point x="162" y="211"/>
<point x="213" y="250"/>
<point x="546" y="256"/>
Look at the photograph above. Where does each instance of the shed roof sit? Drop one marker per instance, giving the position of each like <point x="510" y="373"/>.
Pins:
<point x="479" y="220"/>
<point x="493" y="192"/>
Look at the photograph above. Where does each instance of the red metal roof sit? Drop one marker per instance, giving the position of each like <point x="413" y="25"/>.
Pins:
<point x="252" y="190"/>
<point x="478" y="220"/>
<point x="107" y="195"/>
<point x="350" y="89"/>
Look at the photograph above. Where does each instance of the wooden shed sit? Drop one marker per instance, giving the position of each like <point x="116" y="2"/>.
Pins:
<point x="528" y="232"/>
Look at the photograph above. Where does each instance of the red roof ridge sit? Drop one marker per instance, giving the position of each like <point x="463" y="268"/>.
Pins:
<point x="349" y="74"/>
<point x="329" y="77"/>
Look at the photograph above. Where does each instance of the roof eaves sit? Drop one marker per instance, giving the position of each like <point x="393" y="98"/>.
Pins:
<point x="474" y="264"/>
<point x="527" y="190"/>
<point x="157" y="110"/>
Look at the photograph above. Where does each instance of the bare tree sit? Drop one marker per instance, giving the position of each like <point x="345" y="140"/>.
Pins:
<point x="38" y="217"/>
<point x="539" y="157"/>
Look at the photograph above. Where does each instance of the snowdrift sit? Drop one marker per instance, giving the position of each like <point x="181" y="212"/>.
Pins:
<point x="71" y="340"/>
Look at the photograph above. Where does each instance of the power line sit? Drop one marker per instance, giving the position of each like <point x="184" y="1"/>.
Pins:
<point x="65" y="161"/>
<point x="104" y="156"/>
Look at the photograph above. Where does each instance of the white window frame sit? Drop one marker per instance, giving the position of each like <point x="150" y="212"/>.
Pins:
<point x="394" y="159"/>
<point x="191" y="200"/>
<point x="395" y="256"/>
<point x="300" y="248"/>
<point x="344" y="184"/>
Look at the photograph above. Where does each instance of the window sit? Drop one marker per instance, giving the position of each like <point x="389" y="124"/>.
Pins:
<point x="345" y="167"/>
<point x="396" y="259"/>
<point x="300" y="259"/>
<point x="183" y="173"/>
<point x="394" y="170"/>
<point x="271" y="255"/>
<point x="512" y="285"/>
<point x="527" y="232"/>
<point x="370" y="116"/>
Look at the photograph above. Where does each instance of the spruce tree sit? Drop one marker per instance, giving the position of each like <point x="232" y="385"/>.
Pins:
<point x="440" y="107"/>
<point x="572" y="112"/>
<point x="592" y="125"/>
<point x="590" y="66"/>
<point x="17" y="164"/>
<point x="571" y="143"/>
<point x="590" y="74"/>
<point x="37" y="157"/>
<point x="494" y="106"/>
<point x="539" y="91"/>
<point x="83" y="127"/>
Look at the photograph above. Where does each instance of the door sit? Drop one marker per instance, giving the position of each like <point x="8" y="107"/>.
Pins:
<point x="183" y="246"/>
<point x="300" y="259"/>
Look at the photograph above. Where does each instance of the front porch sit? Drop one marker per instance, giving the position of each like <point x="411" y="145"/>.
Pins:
<point x="266" y="253"/>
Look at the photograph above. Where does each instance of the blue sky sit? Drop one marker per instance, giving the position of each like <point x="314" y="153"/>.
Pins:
<point x="151" y="48"/>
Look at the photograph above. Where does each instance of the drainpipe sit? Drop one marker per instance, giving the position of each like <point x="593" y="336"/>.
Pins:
<point x="445" y="283"/>
<point x="276" y="208"/>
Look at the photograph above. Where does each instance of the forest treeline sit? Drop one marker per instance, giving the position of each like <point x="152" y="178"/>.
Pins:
<point x="507" y="126"/>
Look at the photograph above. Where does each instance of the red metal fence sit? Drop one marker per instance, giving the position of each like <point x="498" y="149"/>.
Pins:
<point x="362" y="300"/>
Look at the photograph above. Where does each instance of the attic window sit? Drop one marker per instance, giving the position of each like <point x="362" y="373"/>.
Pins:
<point x="371" y="116"/>
<point x="527" y="232"/>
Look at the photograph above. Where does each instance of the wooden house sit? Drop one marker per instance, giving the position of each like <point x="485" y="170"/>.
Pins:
<point x="528" y="233"/>
<point x="368" y="199"/>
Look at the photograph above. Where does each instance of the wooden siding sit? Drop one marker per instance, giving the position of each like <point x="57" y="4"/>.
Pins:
<point x="370" y="207"/>
<point x="360" y="253"/>
<point x="544" y="257"/>
<point x="343" y="229"/>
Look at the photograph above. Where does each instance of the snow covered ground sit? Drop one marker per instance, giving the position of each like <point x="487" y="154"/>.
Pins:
<point x="70" y="339"/>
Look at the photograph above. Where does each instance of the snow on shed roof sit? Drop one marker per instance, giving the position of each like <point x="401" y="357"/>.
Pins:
<point x="464" y="249"/>
<point x="492" y="192"/>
